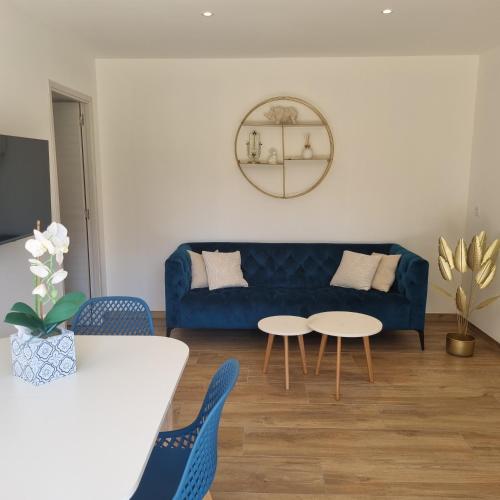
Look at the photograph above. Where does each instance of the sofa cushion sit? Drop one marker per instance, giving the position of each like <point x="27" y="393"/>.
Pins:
<point x="223" y="270"/>
<point x="244" y="307"/>
<point x="290" y="264"/>
<point x="356" y="270"/>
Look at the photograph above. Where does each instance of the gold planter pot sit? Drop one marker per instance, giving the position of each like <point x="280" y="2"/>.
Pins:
<point x="460" y="345"/>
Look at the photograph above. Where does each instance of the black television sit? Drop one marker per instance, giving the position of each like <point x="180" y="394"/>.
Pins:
<point x="24" y="186"/>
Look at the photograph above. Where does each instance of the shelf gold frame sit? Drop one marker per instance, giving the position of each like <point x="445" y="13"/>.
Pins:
<point x="324" y="124"/>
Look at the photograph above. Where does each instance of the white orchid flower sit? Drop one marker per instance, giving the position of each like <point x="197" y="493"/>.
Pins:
<point x="56" y="230"/>
<point x="58" y="276"/>
<point x="40" y="270"/>
<point x="57" y="234"/>
<point x="40" y="290"/>
<point x="35" y="248"/>
<point x="43" y="240"/>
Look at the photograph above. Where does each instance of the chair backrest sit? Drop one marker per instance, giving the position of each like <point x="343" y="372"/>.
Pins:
<point x="114" y="315"/>
<point x="200" y="468"/>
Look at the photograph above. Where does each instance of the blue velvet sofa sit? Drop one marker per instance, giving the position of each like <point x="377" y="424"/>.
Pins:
<point x="292" y="278"/>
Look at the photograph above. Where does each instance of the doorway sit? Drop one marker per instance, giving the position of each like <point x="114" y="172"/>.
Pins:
<point x="76" y="189"/>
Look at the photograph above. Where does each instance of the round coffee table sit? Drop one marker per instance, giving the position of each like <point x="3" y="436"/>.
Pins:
<point x="344" y="324"/>
<point x="285" y="326"/>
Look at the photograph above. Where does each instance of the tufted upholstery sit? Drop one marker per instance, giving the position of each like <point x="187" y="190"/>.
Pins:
<point x="292" y="278"/>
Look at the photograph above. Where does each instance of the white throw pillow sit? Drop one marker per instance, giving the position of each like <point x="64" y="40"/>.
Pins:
<point x="356" y="270"/>
<point x="386" y="272"/>
<point x="198" y="272"/>
<point x="224" y="270"/>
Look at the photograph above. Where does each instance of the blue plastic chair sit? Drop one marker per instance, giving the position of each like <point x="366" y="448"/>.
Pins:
<point x="183" y="462"/>
<point x="113" y="315"/>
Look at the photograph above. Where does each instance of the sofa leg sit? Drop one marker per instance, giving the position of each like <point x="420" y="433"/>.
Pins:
<point x="169" y="331"/>
<point x="421" y="337"/>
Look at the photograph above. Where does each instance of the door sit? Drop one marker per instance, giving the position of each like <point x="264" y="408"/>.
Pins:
<point x="73" y="202"/>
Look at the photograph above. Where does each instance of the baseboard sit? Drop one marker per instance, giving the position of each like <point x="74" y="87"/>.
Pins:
<point x="436" y="317"/>
<point x="440" y="317"/>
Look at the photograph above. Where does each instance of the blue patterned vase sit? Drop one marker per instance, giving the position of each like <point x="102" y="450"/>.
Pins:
<point x="39" y="361"/>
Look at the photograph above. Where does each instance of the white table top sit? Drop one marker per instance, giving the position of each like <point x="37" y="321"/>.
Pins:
<point x="88" y="435"/>
<point x="344" y="324"/>
<point x="285" y="326"/>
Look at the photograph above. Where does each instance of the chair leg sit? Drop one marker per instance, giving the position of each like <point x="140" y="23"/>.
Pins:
<point x="339" y="350"/>
<point x="368" y="352"/>
<point x="422" y="340"/>
<point x="169" y="331"/>
<point x="208" y="496"/>
<point x="324" y="340"/>
<point x="270" y="340"/>
<point x="287" y="372"/>
<point x="302" y="353"/>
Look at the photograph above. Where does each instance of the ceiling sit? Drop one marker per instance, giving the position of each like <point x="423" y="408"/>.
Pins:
<point x="273" y="28"/>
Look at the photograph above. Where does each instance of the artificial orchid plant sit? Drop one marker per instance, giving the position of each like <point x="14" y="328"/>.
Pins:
<point x="47" y="250"/>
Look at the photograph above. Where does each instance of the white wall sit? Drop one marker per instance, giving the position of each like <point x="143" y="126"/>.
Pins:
<point x="30" y="55"/>
<point x="485" y="175"/>
<point x="403" y="132"/>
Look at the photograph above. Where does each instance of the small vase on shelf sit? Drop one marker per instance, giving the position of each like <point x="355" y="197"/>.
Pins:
<point x="272" y="159"/>
<point x="307" y="152"/>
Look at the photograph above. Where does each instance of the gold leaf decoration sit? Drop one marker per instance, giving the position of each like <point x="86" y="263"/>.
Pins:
<point x="482" y="239"/>
<point x="475" y="254"/>
<point x="445" y="252"/>
<point x="492" y="252"/>
<point x="461" y="256"/>
<point x="445" y="269"/>
<point x="461" y="300"/>
<point x="483" y="273"/>
<point x="487" y="302"/>
<point x="442" y="290"/>
<point x="489" y="278"/>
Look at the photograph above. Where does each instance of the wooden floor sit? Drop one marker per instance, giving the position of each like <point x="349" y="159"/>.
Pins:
<point x="428" y="428"/>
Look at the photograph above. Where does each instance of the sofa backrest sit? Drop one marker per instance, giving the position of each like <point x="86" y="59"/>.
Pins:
<point x="290" y="264"/>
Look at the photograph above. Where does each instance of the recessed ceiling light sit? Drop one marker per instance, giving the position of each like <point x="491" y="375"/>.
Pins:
<point x="207" y="14"/>
<point x="387" y="11"/>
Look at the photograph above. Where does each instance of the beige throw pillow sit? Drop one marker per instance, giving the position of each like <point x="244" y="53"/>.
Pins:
<point x="356" y="270"/>
<point x="386" y="272"/>
<point x="198" y="272"/>
<point x="224" y="270"/>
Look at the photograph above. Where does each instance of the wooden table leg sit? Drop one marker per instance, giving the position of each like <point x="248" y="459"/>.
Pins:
<point x="287" y="374"/>
<point x="339" y="350"/>
<point x="270" y="339"/>
<point x="368" y="352"/>
<point x="324" y="340"/>
<point x="302" y="353"/>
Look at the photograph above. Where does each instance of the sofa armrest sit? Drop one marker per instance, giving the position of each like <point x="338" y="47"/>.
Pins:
<point x="177" y="282"/>
<point x="411" y="281"/>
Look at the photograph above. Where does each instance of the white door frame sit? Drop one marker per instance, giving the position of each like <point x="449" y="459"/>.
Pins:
<point x="96" y="254"/>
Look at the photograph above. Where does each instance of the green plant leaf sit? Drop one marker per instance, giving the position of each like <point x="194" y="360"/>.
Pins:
<point x="24" y="308"/>
<point x="64" y="309"/>
<point x="23" y="319"/>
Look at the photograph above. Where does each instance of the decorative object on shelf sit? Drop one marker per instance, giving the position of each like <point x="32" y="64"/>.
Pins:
<point x="295" y="174"/>
<point x="307" y="152"/>
<point x="272" y="159"/>
<point x="480" y="259"/>
<point x="282" y="114"/>
<point x="254" y="146"/>
<point x="41" y="350"/>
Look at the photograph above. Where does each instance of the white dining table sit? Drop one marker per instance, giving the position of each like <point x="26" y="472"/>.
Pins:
<point x="87" y="436"/>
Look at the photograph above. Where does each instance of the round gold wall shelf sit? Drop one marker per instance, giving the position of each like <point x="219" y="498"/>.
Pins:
<point x="270" y="147"/>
